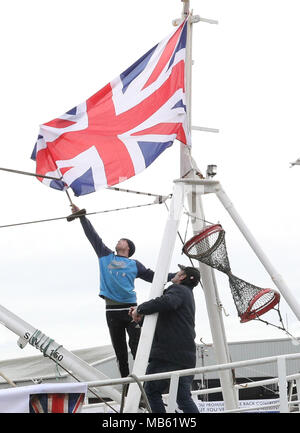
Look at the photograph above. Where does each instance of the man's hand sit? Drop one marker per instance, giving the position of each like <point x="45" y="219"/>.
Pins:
<point x="136" y="317"/>
<point x="76" y="212"/>
<point x="74" y="208"/>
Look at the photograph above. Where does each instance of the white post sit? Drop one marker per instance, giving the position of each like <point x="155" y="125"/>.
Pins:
<point x="277" y="278"/>
<point x="213" y="305"/>
<point x="173" y="393"/>
<point x="282" y="384"/>
<point x="159" y="280"/>
<point x="29" y="334"/>
<point x="195" y="204"/>
<point x="298" y="391"/>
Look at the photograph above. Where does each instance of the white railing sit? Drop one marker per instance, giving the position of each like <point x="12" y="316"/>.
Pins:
<point x="282" y="380"/>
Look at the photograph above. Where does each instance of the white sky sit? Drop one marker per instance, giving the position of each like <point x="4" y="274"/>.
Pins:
<point x="55" y="55"/>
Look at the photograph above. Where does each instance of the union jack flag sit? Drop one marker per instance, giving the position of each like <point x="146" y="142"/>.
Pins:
<point x="56" y="403"/>
<point x="123" y="128"/>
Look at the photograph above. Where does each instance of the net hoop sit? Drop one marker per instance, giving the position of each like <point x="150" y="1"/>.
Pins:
<point x="253" y="314"/>
<point x="203" y="234"/>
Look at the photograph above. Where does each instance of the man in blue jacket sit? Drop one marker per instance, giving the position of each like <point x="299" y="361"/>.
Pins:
<point x="173" y="346"/>
<point x="117" y="275"/>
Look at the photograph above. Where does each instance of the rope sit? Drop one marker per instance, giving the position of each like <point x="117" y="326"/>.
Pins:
<point x="90" y="213"/>
<point x="124" y="391"/>
<point x="138" y="192"/>
<point x="182" y="241"/>
<point x="29" y="174"/>
<point x="142" y="391"/>
<point x="161" y="197"/>
<point x="282" y="328"/>
<point x="197" y="218"/>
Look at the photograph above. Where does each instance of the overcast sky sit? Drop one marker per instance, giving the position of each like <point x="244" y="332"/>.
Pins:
<point x="55" y="55"/>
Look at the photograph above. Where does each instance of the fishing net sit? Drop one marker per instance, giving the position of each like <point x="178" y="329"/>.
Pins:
<point x="208" y="246"/>
<point x="251" y="301"/>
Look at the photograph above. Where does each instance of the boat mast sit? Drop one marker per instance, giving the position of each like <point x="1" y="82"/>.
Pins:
<point x="189" y="169"/>
<point x="180" y="191"/>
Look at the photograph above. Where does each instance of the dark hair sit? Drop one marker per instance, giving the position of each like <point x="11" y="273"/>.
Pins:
<point x="192" y="276"/>
<point x="131" y="246"/>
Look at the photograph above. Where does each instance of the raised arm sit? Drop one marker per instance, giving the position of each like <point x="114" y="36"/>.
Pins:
<point x="100" y="248"/>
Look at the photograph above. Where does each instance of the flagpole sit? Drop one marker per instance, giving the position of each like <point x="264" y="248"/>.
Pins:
<point x="188" y="168"/>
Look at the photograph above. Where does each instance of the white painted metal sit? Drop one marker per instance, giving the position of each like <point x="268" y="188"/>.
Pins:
<point x="196" y="208"/>
<point x="172" y="393"/>
<point x="298" y="390"/>
<point x="205" y="129"/>
<point x="67" y="359"/>
<point x="7" y="379"/>
<point x="282" y="384"/>
<point x="159" y="280"/>
<point x="200" y="370"/>
<point x="254" y="349"/>
<point x="213" y="307"/>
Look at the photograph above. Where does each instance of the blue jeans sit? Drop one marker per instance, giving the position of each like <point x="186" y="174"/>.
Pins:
<point x="155" y="388"/>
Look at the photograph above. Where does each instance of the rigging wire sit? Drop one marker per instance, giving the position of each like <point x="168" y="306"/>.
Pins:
<point x="159" y="198"/>
<point x="197" y="218"/>
<point x="138" y="192"/>
<point x="89" y="388"/>
<point x="88" y="213"/>
<point x="282" y="327"/>
<point x="27" y="173"/>
<point x="266" y="387"/>
<point x="180" y="237"/>
<point x="183" y="241"/>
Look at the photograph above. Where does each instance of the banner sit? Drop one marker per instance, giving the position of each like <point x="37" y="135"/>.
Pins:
<point x="17" y="400"/>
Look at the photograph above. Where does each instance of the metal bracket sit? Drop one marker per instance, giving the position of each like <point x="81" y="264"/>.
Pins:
<point x="195" y="19"/>
<point x="204" y="129"/>
<point x="22" y="342"/>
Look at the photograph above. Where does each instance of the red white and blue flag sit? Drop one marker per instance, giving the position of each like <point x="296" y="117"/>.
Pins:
<point x="123" y="128"/>
<point x="56" y="402"/>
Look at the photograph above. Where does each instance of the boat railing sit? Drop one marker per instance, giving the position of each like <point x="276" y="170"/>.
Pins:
<point x="284" y="405"/>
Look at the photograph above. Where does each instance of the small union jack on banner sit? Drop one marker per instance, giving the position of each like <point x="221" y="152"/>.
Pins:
<point x="123" y="128"/>
<point x="56" y="403"/>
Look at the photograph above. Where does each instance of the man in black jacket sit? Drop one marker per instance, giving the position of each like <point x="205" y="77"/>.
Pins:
<point x="173" y="346"/>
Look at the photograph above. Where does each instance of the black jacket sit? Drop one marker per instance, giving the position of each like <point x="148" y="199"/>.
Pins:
<point x="174" y="338"/>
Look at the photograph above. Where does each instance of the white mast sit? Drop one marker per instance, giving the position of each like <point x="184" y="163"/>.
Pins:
<point x="159" y="280"/>
<point x="187" y="165"/>
<point x="180" y="191"/>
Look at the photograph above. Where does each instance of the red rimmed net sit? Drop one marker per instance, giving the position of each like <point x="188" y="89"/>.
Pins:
<point x="208" y="246"/>
<point x="251" y="301"/>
